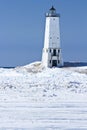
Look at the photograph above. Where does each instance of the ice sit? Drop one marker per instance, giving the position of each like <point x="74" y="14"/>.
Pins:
<point x="64" y="115"/>
<point x="36" y="98"/>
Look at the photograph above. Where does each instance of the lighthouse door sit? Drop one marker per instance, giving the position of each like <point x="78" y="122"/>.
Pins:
<point x="54" y="63"/>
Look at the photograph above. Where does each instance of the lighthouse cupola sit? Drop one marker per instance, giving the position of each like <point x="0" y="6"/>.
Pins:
<point x="51" y="55"/>
<point x="52" y="11"/>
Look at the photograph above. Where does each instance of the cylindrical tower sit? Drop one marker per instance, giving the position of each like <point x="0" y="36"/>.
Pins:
<point x="51" y="55"/>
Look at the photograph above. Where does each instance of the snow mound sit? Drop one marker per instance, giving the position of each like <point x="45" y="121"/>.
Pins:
<point x="32" y="68"/>
<point x="35" y="82"/>
<point x="81" y="70"/>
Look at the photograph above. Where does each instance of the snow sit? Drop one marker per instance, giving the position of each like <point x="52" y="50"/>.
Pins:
<point x="36" y="98"/>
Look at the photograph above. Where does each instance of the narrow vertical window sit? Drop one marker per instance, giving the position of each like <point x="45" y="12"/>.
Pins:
<point x="58" y="51"/>
<point x="54" y="52"/>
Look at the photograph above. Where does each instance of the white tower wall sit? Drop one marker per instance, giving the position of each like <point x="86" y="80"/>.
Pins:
<point x="51" y="55"/>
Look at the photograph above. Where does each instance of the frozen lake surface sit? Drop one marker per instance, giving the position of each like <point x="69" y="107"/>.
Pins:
<point x="43" y="116"/>
<point x="36" y="98"/>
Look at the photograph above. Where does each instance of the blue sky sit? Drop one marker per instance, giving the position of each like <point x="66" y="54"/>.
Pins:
<point x="22" y="24"/>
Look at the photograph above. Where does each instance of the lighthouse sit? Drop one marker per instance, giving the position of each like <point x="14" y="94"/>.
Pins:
<point x="51" y="55"/>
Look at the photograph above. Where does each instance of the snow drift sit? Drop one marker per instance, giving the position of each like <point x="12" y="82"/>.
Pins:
<point x="35" y="82"/>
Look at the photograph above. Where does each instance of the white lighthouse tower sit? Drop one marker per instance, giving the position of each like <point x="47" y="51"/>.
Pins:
<point x="51" y="55"/>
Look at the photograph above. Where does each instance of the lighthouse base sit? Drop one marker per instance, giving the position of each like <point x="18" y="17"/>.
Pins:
<point x="52" y="57"/>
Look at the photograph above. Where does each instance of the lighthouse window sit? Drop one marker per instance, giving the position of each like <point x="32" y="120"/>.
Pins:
<point x="54" y="52"/>
<point x="50" y="61"/>
<point x="58" y="51"/>
<point x="50" y="50"/>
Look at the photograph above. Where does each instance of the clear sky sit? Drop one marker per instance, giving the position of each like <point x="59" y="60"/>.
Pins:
<point x="22" y="24"/>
